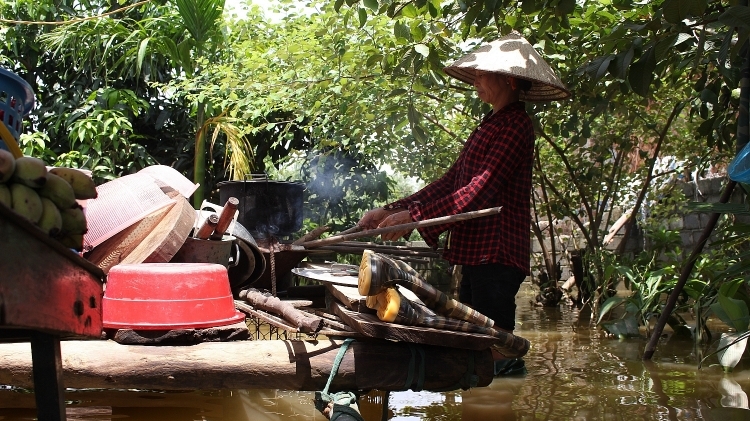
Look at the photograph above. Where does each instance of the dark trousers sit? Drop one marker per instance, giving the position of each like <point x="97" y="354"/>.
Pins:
<point x="491" y="290"/>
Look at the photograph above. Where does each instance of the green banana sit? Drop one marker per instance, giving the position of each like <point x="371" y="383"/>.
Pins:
<point x="73" y="241"/>
<point x="59" y="191"/>
<point x="7" y="165"/>
<point x="83" y="185"/>
<point x="26" y="202"/>
<point x="73" y="221"/>
<point x="30" y="171"/>
<point x="5" y="198"/>
<point x="51" y="219"/>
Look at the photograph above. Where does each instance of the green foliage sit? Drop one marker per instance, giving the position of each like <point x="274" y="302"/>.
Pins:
<point x="348" y="86"/>
<point x="648" y="278"/>
<point x="731" y="311"/>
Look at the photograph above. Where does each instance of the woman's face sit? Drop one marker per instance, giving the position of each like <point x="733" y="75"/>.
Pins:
<point x="490" y="86"/>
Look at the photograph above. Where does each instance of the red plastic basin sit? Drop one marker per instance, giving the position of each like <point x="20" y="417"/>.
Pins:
<point x="165" y="296"/>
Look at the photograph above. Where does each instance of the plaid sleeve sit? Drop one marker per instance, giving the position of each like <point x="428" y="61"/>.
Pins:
<point x="488" y="160"/>
<point x="441" y="187"/>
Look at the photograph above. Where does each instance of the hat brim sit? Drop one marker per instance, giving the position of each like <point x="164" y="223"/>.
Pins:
<point x="514" y="56"/>
<point x="539" y="91"/>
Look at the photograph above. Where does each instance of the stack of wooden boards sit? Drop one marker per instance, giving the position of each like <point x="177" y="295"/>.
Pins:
<point x="139" y="218"/>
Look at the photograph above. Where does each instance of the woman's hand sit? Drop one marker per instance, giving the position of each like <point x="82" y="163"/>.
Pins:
<point x="374" y="217"/>
<point x="398" y="218"/>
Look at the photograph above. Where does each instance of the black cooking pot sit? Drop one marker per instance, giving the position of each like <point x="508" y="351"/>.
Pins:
<point x="266" y="207"/>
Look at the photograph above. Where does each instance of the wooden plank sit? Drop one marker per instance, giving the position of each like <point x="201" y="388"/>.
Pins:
<point x="161" y="244"/>
<point x="370" y="325"/>
<point x="284" y="365"/>
<point x="115" y="249"/>
<point x="349" y="296"/>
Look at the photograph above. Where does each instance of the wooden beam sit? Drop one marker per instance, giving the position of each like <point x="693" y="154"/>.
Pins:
<point x="273" y="364"/>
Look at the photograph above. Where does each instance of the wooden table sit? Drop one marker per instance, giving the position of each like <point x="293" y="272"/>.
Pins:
<point x="47" y="291"/>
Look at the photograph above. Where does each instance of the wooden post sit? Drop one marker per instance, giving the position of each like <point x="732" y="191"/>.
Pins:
<point x="48" y="384"/>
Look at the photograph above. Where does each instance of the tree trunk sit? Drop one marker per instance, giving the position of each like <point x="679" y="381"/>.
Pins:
<point x="285" y="365"/>
<point x="199" y="164"/>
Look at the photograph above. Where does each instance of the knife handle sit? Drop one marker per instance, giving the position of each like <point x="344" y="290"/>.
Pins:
<point x="225" y="218"/>
<point x="204" y="232"/>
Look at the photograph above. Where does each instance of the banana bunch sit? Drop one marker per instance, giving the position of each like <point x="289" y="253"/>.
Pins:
<point x="45" y="197"/>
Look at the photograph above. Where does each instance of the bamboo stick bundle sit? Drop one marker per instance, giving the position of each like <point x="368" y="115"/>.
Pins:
<point x="391" y="306"/>
<point x="378" y="272"/>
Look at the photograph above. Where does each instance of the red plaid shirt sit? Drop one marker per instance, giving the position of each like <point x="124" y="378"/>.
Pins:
<point x="493" y="169"/>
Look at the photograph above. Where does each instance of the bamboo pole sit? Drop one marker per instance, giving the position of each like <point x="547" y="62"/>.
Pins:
<point x="402" y="227"/>
<point x="685" y="274"/>
<point x="392" y="251"/>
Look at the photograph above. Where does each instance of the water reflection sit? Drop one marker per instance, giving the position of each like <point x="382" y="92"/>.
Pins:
<point x="574" y="373"/>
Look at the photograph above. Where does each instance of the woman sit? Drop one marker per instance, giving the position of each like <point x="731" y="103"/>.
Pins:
<point x="493" y="169"/>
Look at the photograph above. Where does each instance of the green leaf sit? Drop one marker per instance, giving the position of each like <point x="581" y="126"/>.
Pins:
<point x="709" y="96"/>
<point x="529" y="6"/>
<point x="362" y="13"/>
<point x="400" y="30"/>
<point x="642" y="73"/>
<point x="434" y="9"/>
<point x="732" y="312"/>
<point x="602" y="67"/>
<point x="623" y="328"/>
<point x="675" y="11"/>
<point x="422" y="49"/>
<point x="608" y="305"/>
<point x="337" y="5"/>
<point x="409" y="11"/>
<point x="698" y="7"/>
<point x="664" y="46"/>
<point x="371" y="4"/>
<point x="142" y="51"/>
<point x="621" y="63"/>
<point x="566" y="7"/>
<point x="374" y="59"/>
<point x="736" y="16"/>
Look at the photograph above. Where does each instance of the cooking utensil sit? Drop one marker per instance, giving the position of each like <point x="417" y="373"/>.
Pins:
<point x="329" y="275"/>
<point x="266" y="207"/>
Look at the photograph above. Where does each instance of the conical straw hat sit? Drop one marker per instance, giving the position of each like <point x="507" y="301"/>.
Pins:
<point x="512" y="55"/>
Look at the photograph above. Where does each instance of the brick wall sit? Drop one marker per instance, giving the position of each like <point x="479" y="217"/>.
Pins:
<point x="690" y="225"/>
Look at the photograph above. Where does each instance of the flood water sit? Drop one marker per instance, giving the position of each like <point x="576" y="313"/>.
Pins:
<point x="574" y="373"/>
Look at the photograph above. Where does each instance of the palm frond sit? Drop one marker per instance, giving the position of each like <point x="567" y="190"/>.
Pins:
<point x="238" y="149"/>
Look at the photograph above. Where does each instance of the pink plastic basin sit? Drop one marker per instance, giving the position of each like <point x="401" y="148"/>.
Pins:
<point x="165" y="296"/>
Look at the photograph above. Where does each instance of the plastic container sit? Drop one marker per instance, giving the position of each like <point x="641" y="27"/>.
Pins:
<point x="166" y="296"/>
<point x="16" y="102"/>
<point x="739" y="169"/>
